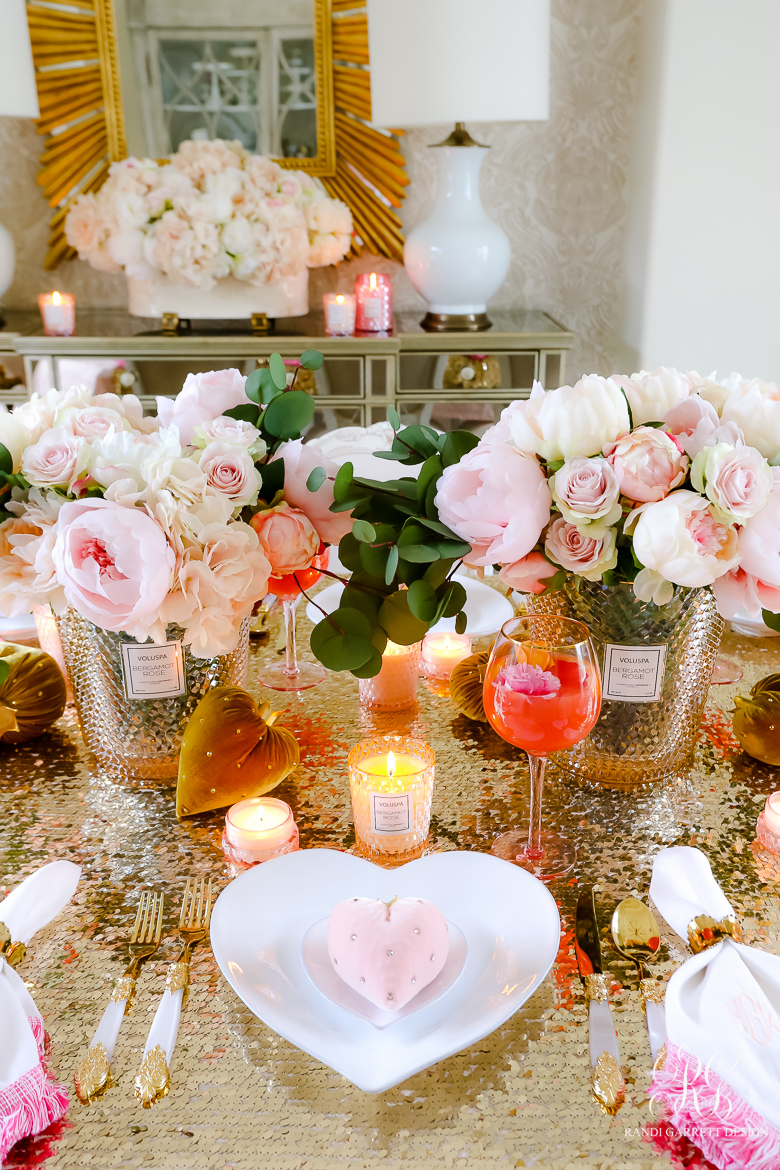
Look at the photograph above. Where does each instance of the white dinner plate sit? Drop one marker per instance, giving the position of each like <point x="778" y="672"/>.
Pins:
<point x="486" y="608"/>
<point x="508" y="918"/>
<point x="16" y="628"/>
<point x="317" y="962"/>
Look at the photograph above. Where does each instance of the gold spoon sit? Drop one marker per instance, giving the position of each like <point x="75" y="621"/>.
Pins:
<point x="636" y="936"/>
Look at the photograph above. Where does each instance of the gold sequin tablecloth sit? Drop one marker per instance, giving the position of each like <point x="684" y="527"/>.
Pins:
<point x="242" y="1097"/>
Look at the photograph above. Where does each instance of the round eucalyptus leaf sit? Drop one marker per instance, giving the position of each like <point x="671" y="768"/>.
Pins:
<point x="461" y="621"/>
<point x="311" y="359"/>
<point x="287" y="415"/>
<point x="316" y="479"/>
<point x="422" y="600"/>
<point x="278" y="370"/>
<point x="342" y="641"/>
<point x="398" y="622"/>
<point x="363" y="531"/>
<point x="370" y="667"/>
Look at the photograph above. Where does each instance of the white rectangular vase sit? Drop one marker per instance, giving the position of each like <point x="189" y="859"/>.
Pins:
<point x="229" y="298"/>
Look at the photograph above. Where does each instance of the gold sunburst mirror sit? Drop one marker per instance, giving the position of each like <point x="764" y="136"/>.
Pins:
<point x="288" y="78"/>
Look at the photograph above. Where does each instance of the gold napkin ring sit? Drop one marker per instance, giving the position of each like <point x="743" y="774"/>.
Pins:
<point x="704" y="932"/>
<point x="12" y="952"/>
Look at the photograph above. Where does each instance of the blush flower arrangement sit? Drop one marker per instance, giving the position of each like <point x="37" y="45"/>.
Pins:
<point x="210" y="210"/>
<point x="179" y="519"/>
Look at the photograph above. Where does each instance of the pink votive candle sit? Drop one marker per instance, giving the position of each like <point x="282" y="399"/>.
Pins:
<point x="58" y="311"/>
<point x="374" y="293"/>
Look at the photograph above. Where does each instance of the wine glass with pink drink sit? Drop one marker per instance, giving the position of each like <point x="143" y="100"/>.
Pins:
<point x="543" y="694"/>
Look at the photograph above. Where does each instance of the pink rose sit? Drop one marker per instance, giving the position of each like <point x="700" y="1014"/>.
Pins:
<point x="682" y="538"/>
<point x="572" y="549"/>
<point x="739" y="594"/>
<point x="94" y="422"/>
<point x="287" y="537"/>
<point x="529" y="575"/>
<point x="695" y="424"/>
<point x="586" y="491"/>
<point x="203" y="398"/>
<point x="55" y="460"/>
<point x="496" y="499"/>
<point x="738" y="480"/>
<point x="300" y="460"/>
<point x="231" y="470"/>
<point x="648" y="464"/>
<point x="114" y="565"/>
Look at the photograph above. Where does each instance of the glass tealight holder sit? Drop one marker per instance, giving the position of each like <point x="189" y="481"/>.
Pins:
<point x="259" y="829"/>
<point x="58" y="311"/>
<point x="768" y="824"/>
<point x="441" y="653"/>
<point x="391" y="785"/>
<point x="340" y="311"/>
<point x="395" y="687"/>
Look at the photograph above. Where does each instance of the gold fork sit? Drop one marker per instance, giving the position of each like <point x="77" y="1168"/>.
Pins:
<point x="153" y="1078"/>
<point x="93" y="1073"/>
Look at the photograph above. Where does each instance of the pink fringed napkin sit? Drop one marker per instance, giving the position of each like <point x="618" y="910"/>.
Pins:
<point x="720" y="1086"/>
<point x="29" y="1099"/>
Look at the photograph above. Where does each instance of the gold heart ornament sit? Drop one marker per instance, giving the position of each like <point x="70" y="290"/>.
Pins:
<point x="231" y="750"/>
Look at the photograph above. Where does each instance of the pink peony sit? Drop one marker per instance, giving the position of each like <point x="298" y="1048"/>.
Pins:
<point x="231" y="470"/>
<point x="529" y="680"/>
<point x="759" y="540"/>
<point x="203" y="398"/>
<point x="300" y="460"/>
<point x="648" y="464"/>
<point x="496" y="499"/>
<point x="739" y="594"/>
<point x="586" y="492"/>
<point x="529" y="575"/>
<point x="682" y="538"/>
<point x="55" y="460"/>
<point x="650" y="396"/>
<point x="695" y="424"/>
<point x="576" y="552"/>
<point x="114" y="565"/>
<point x="287" y="537"/>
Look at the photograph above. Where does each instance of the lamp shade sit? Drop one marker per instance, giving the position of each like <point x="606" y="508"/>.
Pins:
<point x="18" y="96"/>
<point x="459" y="61"/>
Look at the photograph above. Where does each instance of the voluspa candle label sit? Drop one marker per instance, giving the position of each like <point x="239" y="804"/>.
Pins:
<point x="391" y="812"/>
<point x="633" y="674"/>
<point x="153" y="672"/>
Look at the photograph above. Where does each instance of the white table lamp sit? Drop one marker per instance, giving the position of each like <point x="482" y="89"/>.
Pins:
<point x="455" y="61"/>
<point x="18" y="99"/>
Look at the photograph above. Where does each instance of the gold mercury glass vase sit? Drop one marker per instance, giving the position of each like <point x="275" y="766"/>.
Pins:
<point x="656" y="666"/>
<point x="133" y="736"/>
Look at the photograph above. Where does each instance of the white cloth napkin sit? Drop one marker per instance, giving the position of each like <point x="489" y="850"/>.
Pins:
<point x="721" y="1081"/>
<point x="29" y="1100"/>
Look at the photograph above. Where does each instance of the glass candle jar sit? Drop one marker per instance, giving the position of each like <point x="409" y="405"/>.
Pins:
<point x="58" y="311"/>
<point x="441" y="653"/>
<point x="258" y="829"/>
<point x="339" y="314"/>
<point x="768" y="825"/>
<point x="395" y="687"/>
<point x="391" y="785"/>
<point x="374" y="293"/>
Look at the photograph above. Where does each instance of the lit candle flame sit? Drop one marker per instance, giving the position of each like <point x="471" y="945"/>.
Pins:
<point x="447" y="644"/>
<point x="339" y="299"/>
<point x="56" y="298"/>
<point x="391" y="765"/>
<point x="372" y="280"/>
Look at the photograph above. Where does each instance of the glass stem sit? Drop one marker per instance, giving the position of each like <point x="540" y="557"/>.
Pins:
<point x="537" y="765"/>
<point x="290" y="648"/>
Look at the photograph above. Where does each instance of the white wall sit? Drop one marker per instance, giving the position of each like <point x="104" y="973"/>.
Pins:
<point x="703" y="243"/>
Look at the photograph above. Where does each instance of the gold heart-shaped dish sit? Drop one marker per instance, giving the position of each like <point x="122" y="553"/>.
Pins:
<point x="231" y="750"/>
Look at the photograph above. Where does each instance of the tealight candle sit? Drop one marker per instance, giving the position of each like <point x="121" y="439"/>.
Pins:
<point x="58" y="311"/>
<point x="441" y="653"/>
<point x="340" y="311"/>
<point x="374" y="292"/>
<point x="258" y="829"/>
<point x="768" y="826"/>
<point x="391" y="785"/>
<point x="395" y="687"/>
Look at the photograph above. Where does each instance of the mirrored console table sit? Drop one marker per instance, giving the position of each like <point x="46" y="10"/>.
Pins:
<point x="448" y="380"/>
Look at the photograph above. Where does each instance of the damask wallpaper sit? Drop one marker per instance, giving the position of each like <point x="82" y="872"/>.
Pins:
<point x="556" y="187"/>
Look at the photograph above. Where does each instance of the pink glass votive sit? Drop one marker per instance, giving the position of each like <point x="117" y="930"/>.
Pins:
<point x="374" y="293"/>
<point x="768" y="824"/>
<point x="395" y="687"/>
<point x="340" y="309"/>
<point x="441" y="653"/>
<point x="258" y="829"/>
<point x="58" y="311"/>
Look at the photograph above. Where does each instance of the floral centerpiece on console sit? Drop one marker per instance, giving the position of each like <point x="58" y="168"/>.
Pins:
<point x="210" y="211"/>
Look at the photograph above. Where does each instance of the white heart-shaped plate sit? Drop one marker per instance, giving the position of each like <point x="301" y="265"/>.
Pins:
<point x="509" y="919"/>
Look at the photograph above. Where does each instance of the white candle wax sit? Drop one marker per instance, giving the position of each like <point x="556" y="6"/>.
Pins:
<point x="260" y="828"/>
<point x="441" y="653"/>
<point x="772" y="813"/>
<point x="58" y="311"/>
<point x="340" y="311"/>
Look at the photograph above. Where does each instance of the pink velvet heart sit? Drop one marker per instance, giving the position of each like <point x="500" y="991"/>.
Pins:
<point x="388" y="951"/>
